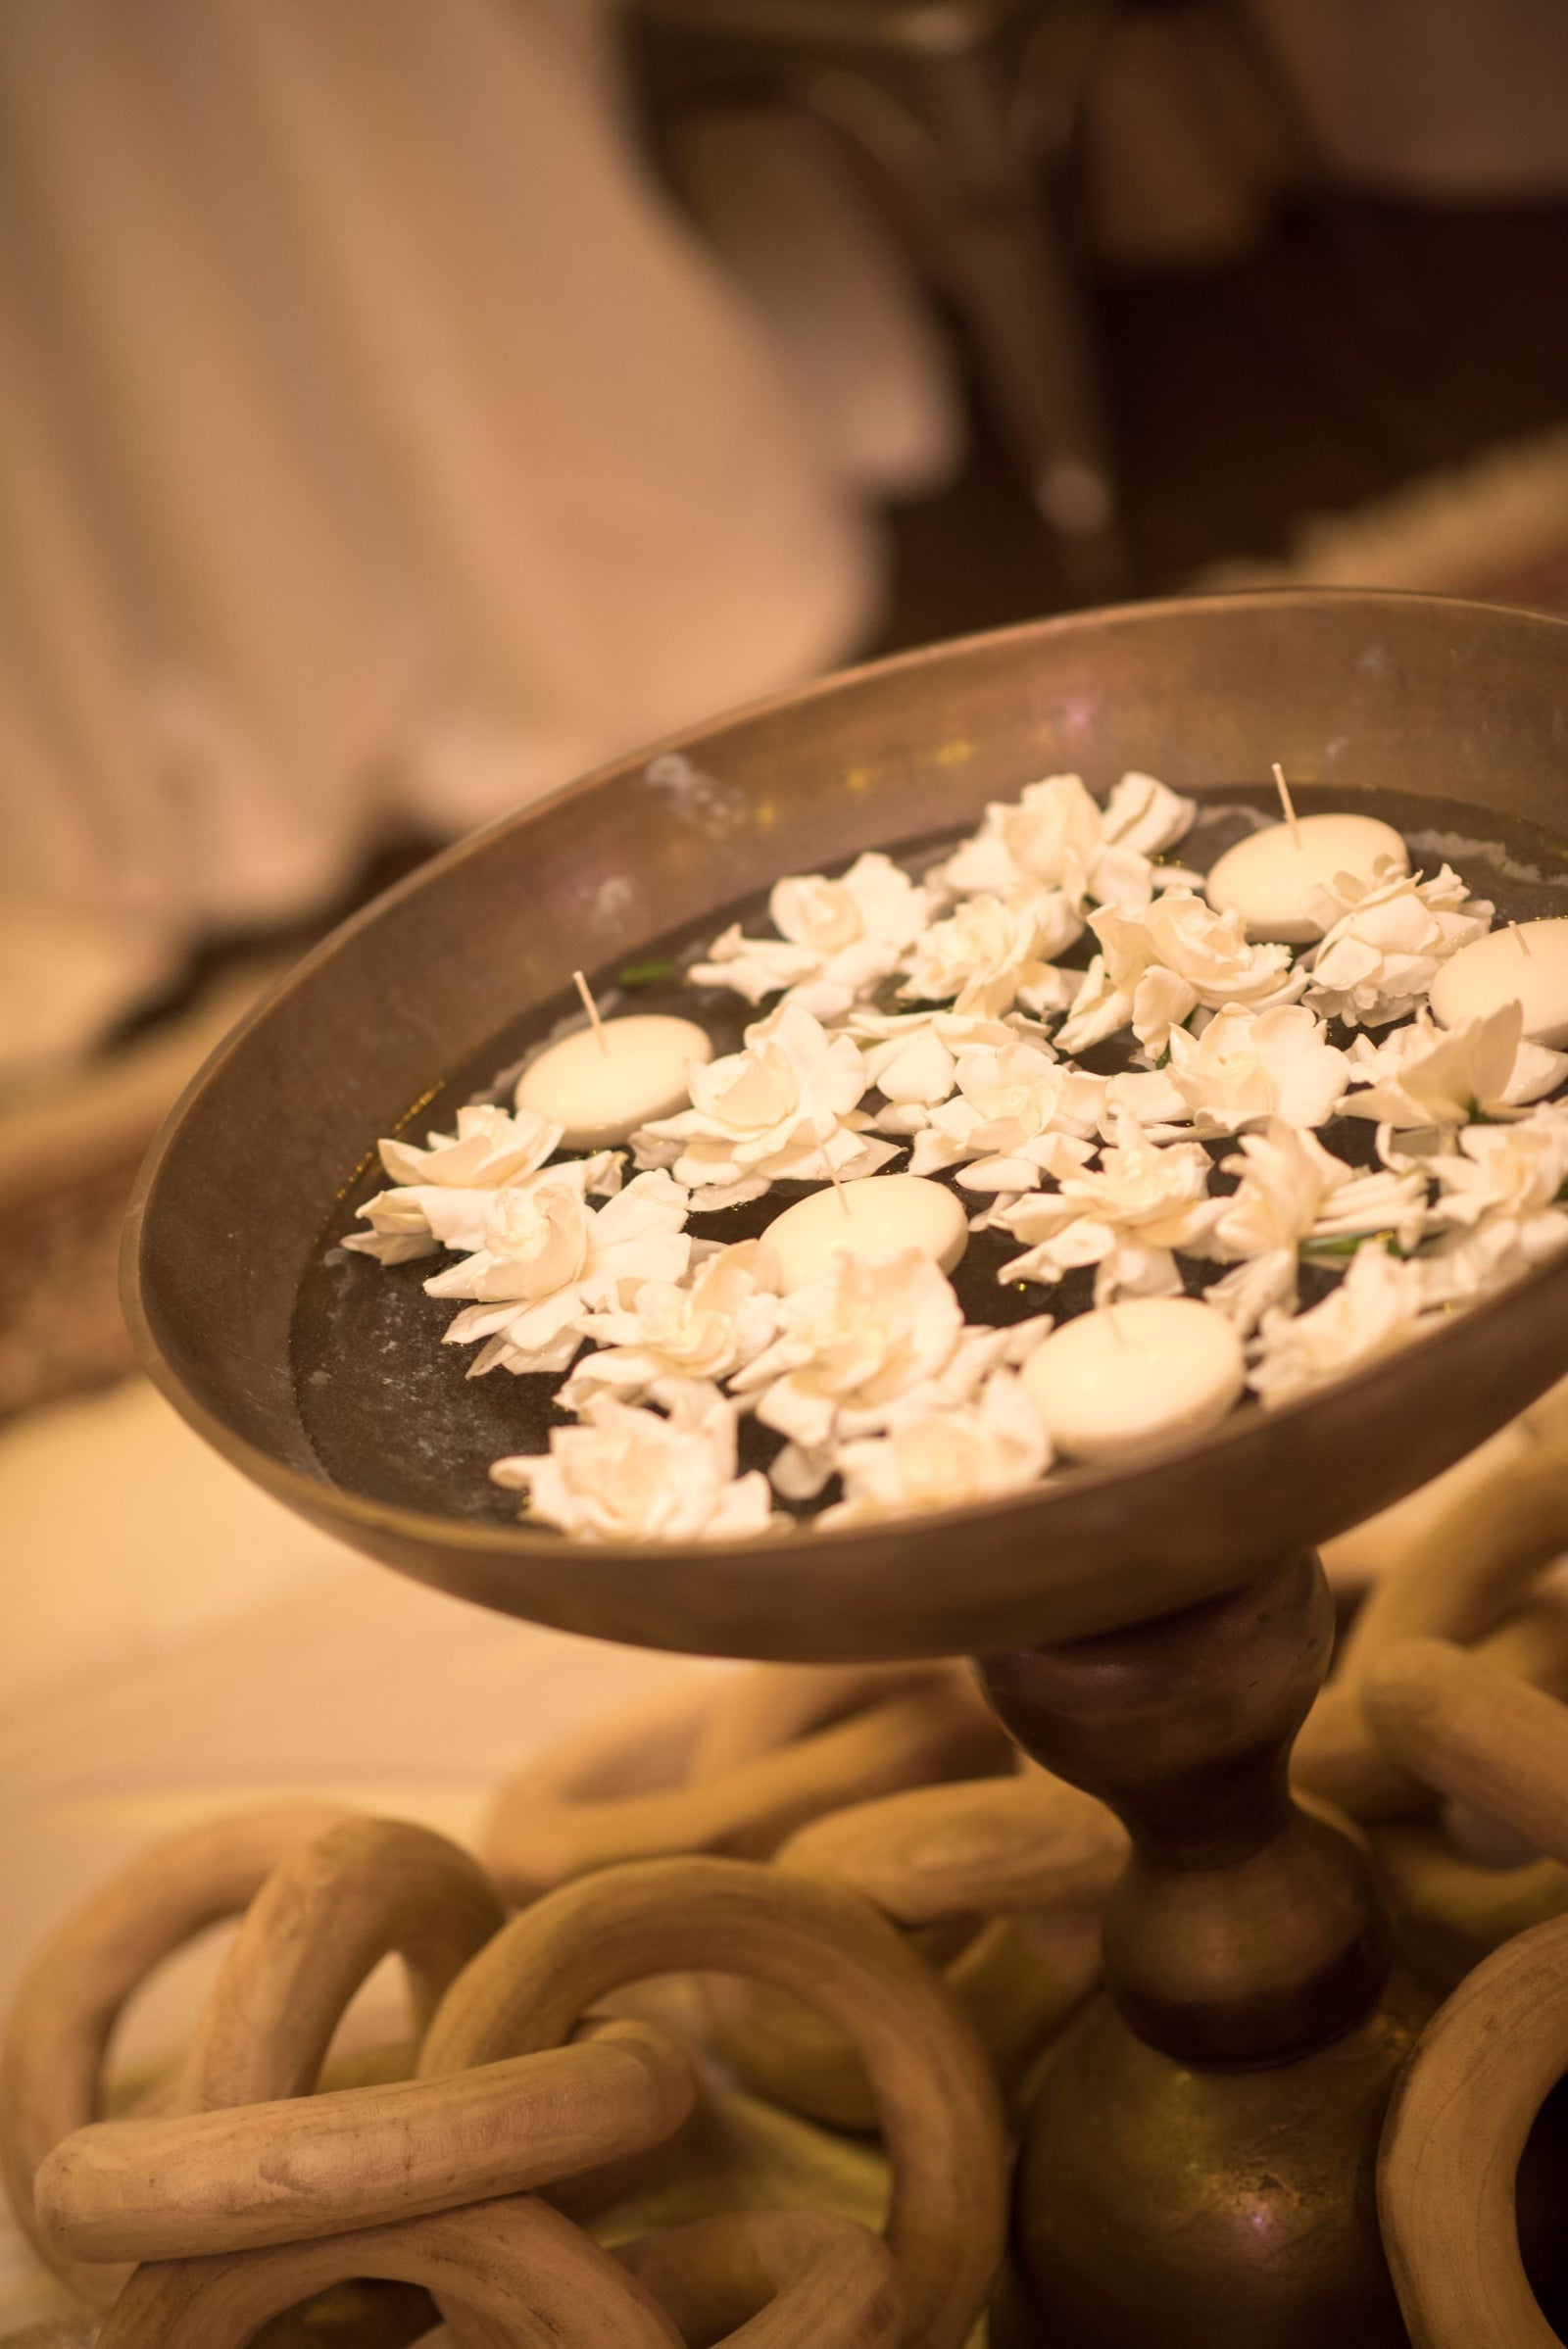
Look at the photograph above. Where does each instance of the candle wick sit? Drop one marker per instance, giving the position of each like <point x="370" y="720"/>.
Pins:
<point x="1520" y="939"/>
<point x="833" y="1178"/>
<point x="1288" y="803"/>
<point x="592" y="1009"/>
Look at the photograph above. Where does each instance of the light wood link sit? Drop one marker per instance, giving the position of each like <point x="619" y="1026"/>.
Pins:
<point x="316" y="1929"/>
<point x="773" y="2279"/>
<point x="1024" y="1853"/>
<point x="1463" y="1576"/>
<point x="937" y="2103"/>
<point x="1461" y="1724"/>
<point x="734" y="1769"/>
<point x="1461" y="2118"/>
<point x="293" y="2170"/>
<point x="524" y="2278"/>
<point x="76" y="1987"/>
<point x="1451" y="2145"/>
<point x="1435" y="1884"/>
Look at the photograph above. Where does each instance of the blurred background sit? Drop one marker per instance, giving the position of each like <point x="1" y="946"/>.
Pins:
<point x="404" y="408"/>
<point x="407" y="408"/>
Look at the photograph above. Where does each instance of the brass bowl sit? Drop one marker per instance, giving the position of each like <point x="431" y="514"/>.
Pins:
<point x="1361" y="692"/>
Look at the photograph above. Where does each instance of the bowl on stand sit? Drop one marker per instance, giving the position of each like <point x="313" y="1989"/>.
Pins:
<point x="1199" y="2162"/>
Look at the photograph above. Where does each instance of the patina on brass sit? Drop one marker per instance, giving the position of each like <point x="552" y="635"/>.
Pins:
<point x="1172" y="2189"/>
<point x="1356" y="692"/>
<point x="1198" y="2168"/>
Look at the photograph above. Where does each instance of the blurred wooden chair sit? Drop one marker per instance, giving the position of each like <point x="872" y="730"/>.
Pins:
<point x="933" y="91"/>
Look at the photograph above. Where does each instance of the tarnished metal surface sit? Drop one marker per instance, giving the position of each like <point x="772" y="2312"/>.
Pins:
<point x="1453" y="701"/>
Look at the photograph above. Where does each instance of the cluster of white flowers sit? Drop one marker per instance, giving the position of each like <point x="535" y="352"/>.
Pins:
<point x="935" y="1015"/>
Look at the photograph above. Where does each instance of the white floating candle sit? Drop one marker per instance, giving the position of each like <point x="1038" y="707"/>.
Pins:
<point x="1118" y="1378"/>
<point x="878" y="1215"/>
<point x="1527" y="963"/>
<point x="1265" y="877"/>
<point x="603" y="1083"/>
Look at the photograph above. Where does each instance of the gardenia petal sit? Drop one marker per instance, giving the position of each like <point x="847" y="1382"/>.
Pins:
<point x="987" y="951"/>
<point x="1144" y="814"/>
<point x="1160" y="963"/>
<point x="548" y="1256"/>
<point x="490" y="1147"/>
<point x="1126" y="1216"/>
<point x="421" y="1217"/>
<point x="1249" y="1066"/>
<point x="1007" y="1099"/>
<point x="1292" y="1190"/>
<point x="869" y="1330"/>
<point x="628" y="1474"/>
<point x="1378" y="1305"/>
<point x="1514" y="1170"/>
<point x="1056" y="833"/>
<point x="712" y="1324"/>
<point x="838" y="940"/>
<point x="1424" y="1075"/>
<point x="1049" y="835"/>
<point x="1259" y="1285"/>
<point x="943" y="1459"/>
<point x="769" y="1113"/>
<point x="535" y="1243"/>
<point x="1386" y="940"/>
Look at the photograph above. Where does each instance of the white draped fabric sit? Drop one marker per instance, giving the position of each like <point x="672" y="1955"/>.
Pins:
<point x="374" y="442"/>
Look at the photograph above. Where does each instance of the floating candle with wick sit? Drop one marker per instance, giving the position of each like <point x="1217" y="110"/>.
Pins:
<point x="1127" y="1374"/>
<point x="1527" y="963"/>
<point x="608" y="1079"/>
<point x="1267" y="876"/>
<point x="877" y="1215"/>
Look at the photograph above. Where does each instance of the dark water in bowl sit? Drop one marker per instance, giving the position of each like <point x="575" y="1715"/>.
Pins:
<point x="390" y="1410"/>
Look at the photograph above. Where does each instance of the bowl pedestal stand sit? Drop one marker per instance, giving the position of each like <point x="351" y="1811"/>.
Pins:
<point x="1199" y="2163"/>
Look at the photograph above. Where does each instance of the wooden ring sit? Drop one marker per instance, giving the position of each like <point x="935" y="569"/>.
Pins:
<point x="937" y="2102"/>
<point x="1464" y="1574"/>
<point x="1475" y="1734"/>
<point x="523" y="2277"/>
<point x="323" y="1919"/>
<point x="1435" y="1884"/>
<point x="290" y="2171"/>
<point x="1030" y="1843"/>
<point x="734" y="1769"/>
<point x="74" y="1992"/>
<point x="1451" y="2145"/>
<point x="773" y="2279"/>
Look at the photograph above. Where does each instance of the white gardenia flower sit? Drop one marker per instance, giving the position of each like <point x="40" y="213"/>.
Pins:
<point x="443" y="1192"/>
<point x="942" y="1459"/>
<point x="1126" y="1217"/>
<point x="713" y="1323"/>
<point x="628" y="1474"/>
<point x="1294" y="1192"/>
<point x="491" y="1146"/>
<point x="1500" y="1202"/>
<point x="1059" y="836"/>
<point x="783" y="1110"/>
<point x="911" y="1057"/>
<point x="838" y="940"/>
<point x="1249" y="1066"/>
<point x="1378" y="1305"/>
<point x="417" y="1218"/>
<point x="548" y="1258"/>
<point x="849" y="1345"/>
<point x="1423" y="1075"/>
<point x="1385" y="941"/>
<point x="1159" y="964"/>
<point x="1019" y="1111"/>
<point x="989" y="953"/>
